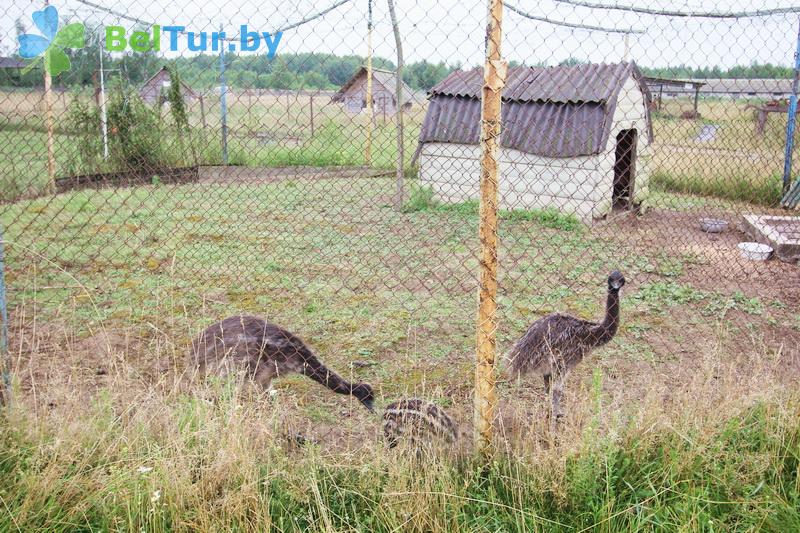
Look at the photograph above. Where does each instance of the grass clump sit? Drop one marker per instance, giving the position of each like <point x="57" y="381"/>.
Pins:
<point x="549" y="217"/>
<point x="660" y="295"/>
<point x="738" y="188"/>
<point x="423" y="199"/>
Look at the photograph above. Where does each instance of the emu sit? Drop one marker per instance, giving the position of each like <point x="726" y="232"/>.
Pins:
<point x="417" y="421"/>
<point x="265" y="351"/>
<point x="556" y="343"/>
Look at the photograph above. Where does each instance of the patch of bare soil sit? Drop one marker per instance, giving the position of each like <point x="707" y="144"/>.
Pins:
<point x="712" y="261"/>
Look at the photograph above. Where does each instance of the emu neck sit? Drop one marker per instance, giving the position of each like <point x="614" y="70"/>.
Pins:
<point x="332" y="380"/>
<point x="605" y="330"/>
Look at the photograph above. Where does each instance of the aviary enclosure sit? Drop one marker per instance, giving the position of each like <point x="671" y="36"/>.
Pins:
<point x="378" y="266"/>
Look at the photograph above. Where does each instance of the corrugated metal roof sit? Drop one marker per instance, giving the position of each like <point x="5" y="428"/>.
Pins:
<point x="552" y="112"/>
<point x="542" y="128"/>
<point x="562" y="84"/>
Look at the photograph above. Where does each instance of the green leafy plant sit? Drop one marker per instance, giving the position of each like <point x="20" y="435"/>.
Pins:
<point x="84" y="121"/>
<point x="134" y="132"/>
<point x="177" y="105"/>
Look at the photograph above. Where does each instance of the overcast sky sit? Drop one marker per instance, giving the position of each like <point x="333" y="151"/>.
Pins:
<point x="453" y="30"/>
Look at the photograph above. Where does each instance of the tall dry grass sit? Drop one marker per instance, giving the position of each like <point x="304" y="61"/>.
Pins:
<point x="714" y="450"/>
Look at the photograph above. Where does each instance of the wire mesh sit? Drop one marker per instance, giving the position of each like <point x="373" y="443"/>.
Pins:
<point x="151" y="192"/>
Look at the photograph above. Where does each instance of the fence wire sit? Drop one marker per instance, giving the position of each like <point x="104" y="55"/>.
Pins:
<point x="163" y="179"/>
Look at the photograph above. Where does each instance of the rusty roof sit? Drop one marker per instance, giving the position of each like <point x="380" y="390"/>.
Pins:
<point x="553" y="112"/>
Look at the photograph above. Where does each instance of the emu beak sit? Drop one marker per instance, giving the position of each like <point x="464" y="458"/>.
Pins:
<point x="369" y="405"/>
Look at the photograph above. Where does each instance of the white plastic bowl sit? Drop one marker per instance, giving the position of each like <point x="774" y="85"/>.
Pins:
<point x="713" y="225"/>
<point x="755" y="251"/>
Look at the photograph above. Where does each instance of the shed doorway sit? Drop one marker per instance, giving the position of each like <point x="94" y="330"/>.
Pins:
<point x="624" y="170"/>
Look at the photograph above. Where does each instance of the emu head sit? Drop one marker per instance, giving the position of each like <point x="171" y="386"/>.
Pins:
<point x="365" y="394"/>
<point x="615" y="281"/>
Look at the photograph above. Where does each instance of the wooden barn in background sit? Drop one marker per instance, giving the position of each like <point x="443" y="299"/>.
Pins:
<point x="354" y="93"/>
<point x="159" y="84"/>
<point x="574" y="138"/>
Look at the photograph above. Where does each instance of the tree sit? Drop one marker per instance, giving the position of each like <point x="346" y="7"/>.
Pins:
<point x="423" y="75"/>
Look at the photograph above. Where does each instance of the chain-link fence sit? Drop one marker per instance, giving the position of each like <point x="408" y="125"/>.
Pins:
<point x="157" y="178"/>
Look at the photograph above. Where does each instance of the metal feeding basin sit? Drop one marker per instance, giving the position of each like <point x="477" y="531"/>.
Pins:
<point x="782" y="233"/>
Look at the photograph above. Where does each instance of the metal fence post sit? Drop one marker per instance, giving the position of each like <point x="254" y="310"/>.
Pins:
<point x="790" y="122"/>
<point x="494" y="75"/>
<point x="222" y="103"/>
<point x="368" y="145"/>
<point x="311" y="104"/>
<point x="5" y="392"/>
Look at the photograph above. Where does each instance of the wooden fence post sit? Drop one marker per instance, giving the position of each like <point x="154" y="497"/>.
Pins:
<point x="399" y="196"/>
<point x="48" y="118"/>
<point x="202" y="110"/>
<point x="494" y="75"/>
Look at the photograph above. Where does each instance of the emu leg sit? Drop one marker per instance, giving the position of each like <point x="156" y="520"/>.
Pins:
<point x="263" y="376"/>
<point x="546" y="383"/>
<point x="556" y="406"/>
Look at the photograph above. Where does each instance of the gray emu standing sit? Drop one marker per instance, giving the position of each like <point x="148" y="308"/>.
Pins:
<point x="265" y="351"/>
<point x="556" y="343"/>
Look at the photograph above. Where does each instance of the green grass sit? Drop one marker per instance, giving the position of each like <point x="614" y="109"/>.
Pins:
<point x="206" y="472"/>
<point x="735" y="187"/>
<point x="658" y="296"/>
<point x="333" y="260"/>
<point x="422" y="199"/>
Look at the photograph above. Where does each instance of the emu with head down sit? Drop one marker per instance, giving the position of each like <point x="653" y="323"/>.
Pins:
<point x="265" y="351"/>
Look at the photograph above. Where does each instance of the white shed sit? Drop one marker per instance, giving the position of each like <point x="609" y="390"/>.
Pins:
<point x="574" y="138"/>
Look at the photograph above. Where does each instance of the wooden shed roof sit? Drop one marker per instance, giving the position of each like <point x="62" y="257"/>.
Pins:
<point x="387" y="78"/>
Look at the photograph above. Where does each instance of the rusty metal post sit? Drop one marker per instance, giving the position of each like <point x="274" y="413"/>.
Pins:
<point x="494" y="74"/>
<point x="368" y="145"/>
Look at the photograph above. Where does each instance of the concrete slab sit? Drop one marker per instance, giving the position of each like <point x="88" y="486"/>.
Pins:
<point x="780" y="232"/>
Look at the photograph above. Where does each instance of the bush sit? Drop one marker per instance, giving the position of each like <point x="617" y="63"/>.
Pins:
<point x="84" y="121"/>
<point x="134" y="133"/>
